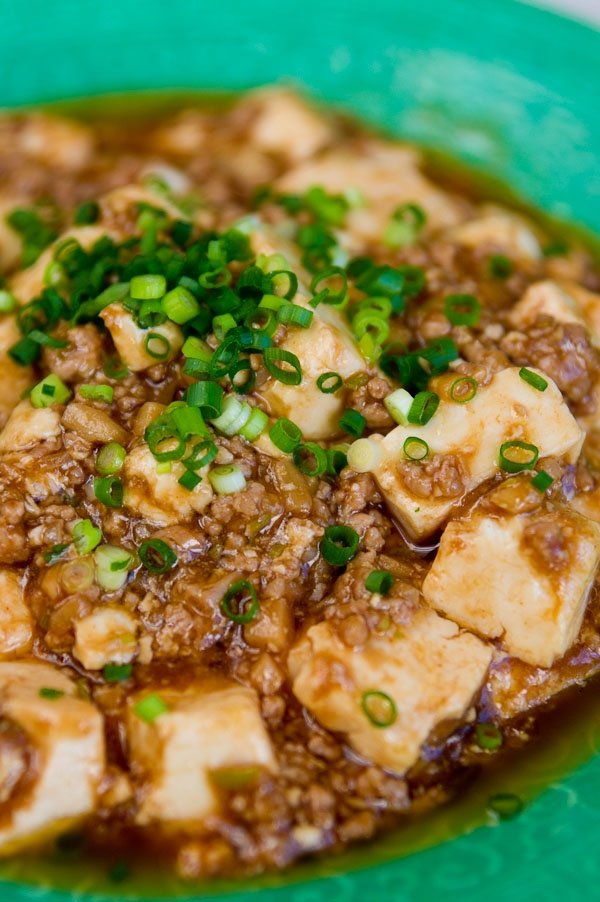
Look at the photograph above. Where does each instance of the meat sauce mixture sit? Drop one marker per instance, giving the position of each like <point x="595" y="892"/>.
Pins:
<point x="300" y="513"/>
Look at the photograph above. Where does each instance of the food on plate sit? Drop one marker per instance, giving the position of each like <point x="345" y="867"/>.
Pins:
<point x="299" y="476"/>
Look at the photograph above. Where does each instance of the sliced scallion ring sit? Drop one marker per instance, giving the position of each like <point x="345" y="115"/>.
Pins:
<point x="379" y="708"/>
<point x="463" y="389"/>
<point x="516" y="456"/>
<point x="339" y="544"/>
<point x="240" y="602"/>
<point x="415" y="448"/>
<point x="157" y="556"/>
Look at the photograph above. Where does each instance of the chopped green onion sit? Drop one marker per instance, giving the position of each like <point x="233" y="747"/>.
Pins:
<point x="245" y="384"/>
<point x="371" y="323"/>
<point x="202" y="454"/>
<point x="363" y="455"/>
<point x="112" y="566"/>
<point x="534" y="379"/>
<point x="110" y="459"/>
<point x="196" y="349"/>
<point x="505" y="804"/>
<point x="189" y="480"/>
<point x="50" y="694"/>
<point x="150" y="314"/>
<point x="542" y="481"/>
<point x="310" y="458"/>
<point x="227" y="479"/>
<point x="500" y="266"/>
<point x="285" y="435"/>
<point x="114" y="368"/>
<point x="337" y="460"/>
<point x="329" y="383"/>
<point x="189" y="421"/>
<point x="8" y="301"/>
<point x="222" y="324"/>
<point x="284" y="279"/>
<point x="353" y="422"/>
<point x="103" y="393"/>
<point x="164" y="440"/>
<point x="50" y="390"/>
<point x="294" y="315"/>
<point x="272" y="357"/>
<point x="380" y="581"/>
<point x="117" y="673"/>
<point x="157" y="346"/>
<point x="516" y="456"/>
<point x="327" y="280"/>
<point x="109" y="490"/>
<point x="150" y="707"/>
<point x="87" y="213"/>
<point x="404" y="227"/>
<point x="157" y="556"/>
<point x="55" y="553"/>
<point x="379" y="708"/>
<point x="488" y="736"/>
<point x="255" y="426"/>
<point x="86" y="536"/>
<point x="146" y="288"/>
<point x="42" y="338"/>
<point x="423" y="408"/>
<point x="399" y="405"/>
<point x="339" y="544"/>
<point x="415" y="448"/>
<point x="207" y="395"/>
<point x="462" y="309"/>
<point x="242" y="594"/>
<point x="463" y="389"/>
<point x="234" y="415"/>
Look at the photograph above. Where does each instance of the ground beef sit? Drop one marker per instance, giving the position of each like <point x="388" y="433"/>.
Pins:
<point x="564" y="352"/>
<point x="442" y="476"/>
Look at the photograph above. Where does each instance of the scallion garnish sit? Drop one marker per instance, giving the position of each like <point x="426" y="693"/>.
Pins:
<point x="208" y="395"/>
<point x="329" y="383"/>
<point x="516" y="456"/>
<point x="104" y="393"/>
<point x="86" y="536"/>
<point x="147" y="287"/>
<point x="353" y="422"/>
<point x="488" y="736"/>
<point x="117" y="673"/>
<point x="240" y="602"/>
<point x="405" y="225"/>
<point x="339" y="544"/>
<point x="157" y="556"/>
<point x="202" y="454"/>
<point x="109" y="490"/>
<point x="310" y="458"/>
<point x="423" y="408"/>
<point x="51" y="694"/>
<point x="112" y="566"/>
<point x="363" y="455"/>
<point x="379" y="708"/>
<point x="505" y="805"/>
<point x="150" y="707"/>
<point x="462" y="309"/>
<point x="227" y="479"/>
<point x="110" y="459"/>
<point x="534" y="379"/>
<point x="415" y="448"/>
<point x="463" y="389"/>
<point x="380" y="581"/>
<point x="542" y="481"/>
<point x="285" y="435"/>
<point x="50" y="390"/>
<point x="157" y="346"/>
<point x="255" y="425"/>
<point x="291" y="373"/>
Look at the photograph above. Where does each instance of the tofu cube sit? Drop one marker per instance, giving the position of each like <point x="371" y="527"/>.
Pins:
<point x="566" y="302"/>
<point x="430" y="670"/>
<point x="205" y="728"/>
<point x="107" y="635"/>
<point x="501" y="229"/>
<point x="27" y="426"/>
<point x="506" y="409"/>
<point x="130" y="340"/>
<point x="523" y="579"/>
<point x="158" y="497"/>
<point x="66" y="739"/>
<point x="14" y="378"/>
<point x="16" y="628"/>
<point x="285" y="124"/>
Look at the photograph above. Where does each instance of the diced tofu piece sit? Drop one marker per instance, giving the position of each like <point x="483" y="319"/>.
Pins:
<point x="205" y="728"/>
<point x="285" y="124"/>
<point x="565" y="302"/>
<point x="28" y="283"/>
<point x="500" y="229"/>
<point x="327" y="345"/>
<point x="386" y="176"/>
<point x="158" y="497"/>
<point x="108" y="635"/>
<point x="431" y="671"/>
<point x="523" y="579"/>
<point x="55" y="141"/>
<point x="10" y="241"/>
<point x="588" y="504"/>
<point x="130" y="339"/>
<point x="15" y="619"/>
<point x="66" y="736"/>
<point x="15" y="379"/>
<point x="117" y="204"/>
<point x="505" y="410"/>
<point x="29" y="425"/>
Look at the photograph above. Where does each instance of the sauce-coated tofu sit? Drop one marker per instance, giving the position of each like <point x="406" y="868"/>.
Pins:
<point x="430" y="670"/>
<point x="566" y="302"/>
<point x="523" y="578"/>
<point x="205" y="728"/>
<point x="506" y="409"/>
<point x="16" y="632"/>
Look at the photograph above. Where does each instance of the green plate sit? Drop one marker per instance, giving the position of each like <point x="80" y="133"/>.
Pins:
<point x="513" y="92"/>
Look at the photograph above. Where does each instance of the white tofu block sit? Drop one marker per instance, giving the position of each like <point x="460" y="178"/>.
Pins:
<point x="500" y="229"/>
<point x="16" y="633"/>
<point x="29" y="425"/>
<point x="107" y="635"/>
<point x="386" y="176"/>
<point x="158" y="497"/>
<point x="488" y="577"/>
<point x="205" y="728"/>
<point x="431" y="670"/>
<point x="566" y="302"/>
<point x="14" y="378"/>
<point x="285" y="124"/>
<point x="508" y="408"/>
<point x="129" y="339"/>
<point x="66" y="736"/>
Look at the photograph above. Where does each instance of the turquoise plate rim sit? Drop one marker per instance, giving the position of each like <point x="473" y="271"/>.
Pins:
<point x="404" y="67"/>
